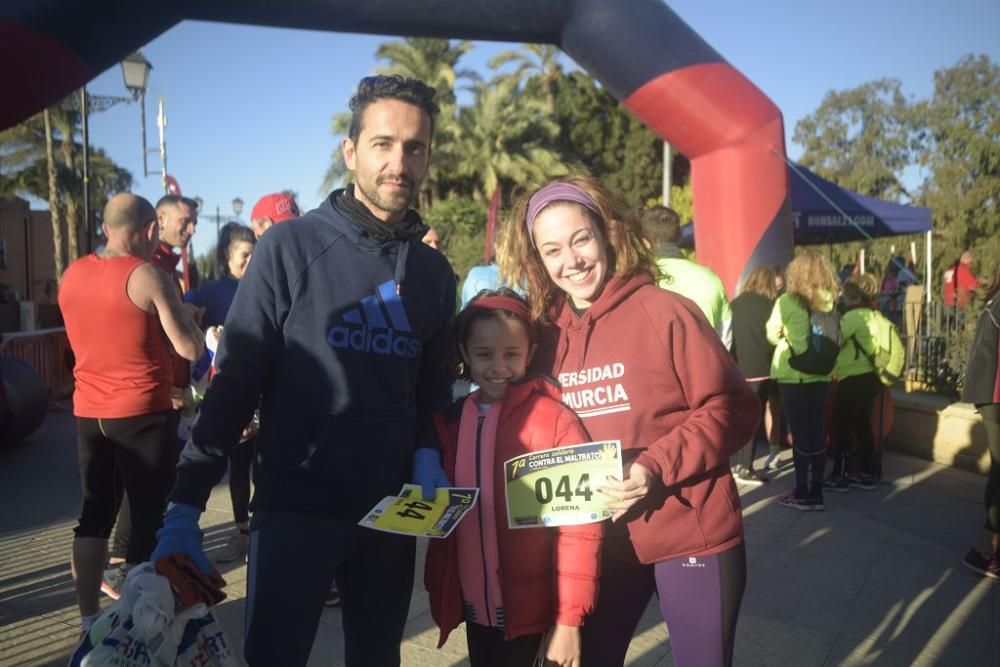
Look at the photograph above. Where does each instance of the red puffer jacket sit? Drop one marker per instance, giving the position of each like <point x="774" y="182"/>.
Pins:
<point x="547" y="575"/>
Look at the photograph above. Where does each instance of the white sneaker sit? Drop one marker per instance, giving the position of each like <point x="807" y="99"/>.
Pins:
<point x="773" y="460"/>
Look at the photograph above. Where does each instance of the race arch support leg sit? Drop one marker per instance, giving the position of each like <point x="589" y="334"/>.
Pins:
<point x="739" y="177"/>
<point x="680" y="87"/>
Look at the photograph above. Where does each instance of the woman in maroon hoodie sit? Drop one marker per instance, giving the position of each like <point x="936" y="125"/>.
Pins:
<point x="641" y="364"/>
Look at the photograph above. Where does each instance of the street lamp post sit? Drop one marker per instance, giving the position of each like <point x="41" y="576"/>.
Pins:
<point x="237" y="210"/>
<point x="88" y="103"/>
<point x="85" y="113"/>
<point x="135" y="72"/>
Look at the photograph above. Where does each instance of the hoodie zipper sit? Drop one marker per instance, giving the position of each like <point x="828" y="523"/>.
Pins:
<point x="480" y="420"/>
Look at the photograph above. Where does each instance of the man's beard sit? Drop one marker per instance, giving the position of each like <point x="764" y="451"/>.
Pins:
<point x="388" y="205"/>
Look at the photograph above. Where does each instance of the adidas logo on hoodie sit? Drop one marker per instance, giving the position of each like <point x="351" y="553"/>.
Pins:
<point x="377" y="325"/>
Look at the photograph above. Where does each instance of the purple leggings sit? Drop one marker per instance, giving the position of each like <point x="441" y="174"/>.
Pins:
<point x="699" y="599"/>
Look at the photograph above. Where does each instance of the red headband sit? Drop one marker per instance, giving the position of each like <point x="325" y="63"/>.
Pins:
<point x="500" y="302"/>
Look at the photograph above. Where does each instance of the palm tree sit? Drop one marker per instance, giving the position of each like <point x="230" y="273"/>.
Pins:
<point x="505" y="137"/>
<point x="433" y="61"/>
<point x="538" y="65"/>
<point x="66" y="119"/>
<point x="29" y="153"/>
<point x="336" y="173"/>
<point x="50" y="161"/>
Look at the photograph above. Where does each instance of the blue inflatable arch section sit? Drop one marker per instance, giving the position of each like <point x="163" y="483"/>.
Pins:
<point x="640" y="50"/>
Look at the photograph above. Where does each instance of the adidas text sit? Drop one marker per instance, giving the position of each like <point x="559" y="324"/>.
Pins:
<point x="362" y="339"/>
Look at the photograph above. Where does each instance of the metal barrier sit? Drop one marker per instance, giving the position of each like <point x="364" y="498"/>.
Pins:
<point x="937" y="339"/>
<point x="46" y="350"/>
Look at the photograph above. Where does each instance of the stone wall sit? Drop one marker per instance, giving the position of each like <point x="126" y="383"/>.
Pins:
<point x="933" y="428"/>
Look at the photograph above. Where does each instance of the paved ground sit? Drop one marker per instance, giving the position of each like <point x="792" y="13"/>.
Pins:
<point x="876" y="579"/>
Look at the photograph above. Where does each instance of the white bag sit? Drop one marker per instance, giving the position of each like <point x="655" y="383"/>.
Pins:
<point x="144" y="629"/>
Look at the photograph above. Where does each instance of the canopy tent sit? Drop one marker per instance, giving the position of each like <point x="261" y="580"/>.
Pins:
<point x="815" y="220"/>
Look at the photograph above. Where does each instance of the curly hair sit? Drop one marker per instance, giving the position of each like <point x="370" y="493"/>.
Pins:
<point x="618" y="225"/>
<point x="372" y="89"/>
<point x="762" y="280"/>
<point x="811" y="278"/>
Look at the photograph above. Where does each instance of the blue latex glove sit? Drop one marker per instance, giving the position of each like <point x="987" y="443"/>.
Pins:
<point x="427" y="471"/>
<point x="180" y="534"/>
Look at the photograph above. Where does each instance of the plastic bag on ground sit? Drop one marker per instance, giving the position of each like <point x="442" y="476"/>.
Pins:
<point x="145" y="628"/>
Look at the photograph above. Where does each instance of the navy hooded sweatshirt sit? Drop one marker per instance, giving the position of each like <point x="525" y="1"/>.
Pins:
<point x="344" y="342"/>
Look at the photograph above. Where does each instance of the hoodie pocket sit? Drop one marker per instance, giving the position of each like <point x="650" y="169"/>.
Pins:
<point x="361" y="457"/>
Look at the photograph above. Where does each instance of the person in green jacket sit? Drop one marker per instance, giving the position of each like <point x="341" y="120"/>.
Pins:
<point x="858" y="385"/>
<point x="662" y="228"/>
<point x="811" y="284"/>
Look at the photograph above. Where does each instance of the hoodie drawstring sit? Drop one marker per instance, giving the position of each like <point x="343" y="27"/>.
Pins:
<point x="400" y="275"/>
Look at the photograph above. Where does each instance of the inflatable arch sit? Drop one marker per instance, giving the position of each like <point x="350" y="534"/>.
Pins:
<point x="639" y="50"/>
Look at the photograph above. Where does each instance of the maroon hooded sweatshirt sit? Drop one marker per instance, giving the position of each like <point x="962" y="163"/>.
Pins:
<point x="642" y="365"/>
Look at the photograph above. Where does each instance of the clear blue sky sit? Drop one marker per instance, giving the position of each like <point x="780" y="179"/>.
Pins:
<point x="249" y="108"/>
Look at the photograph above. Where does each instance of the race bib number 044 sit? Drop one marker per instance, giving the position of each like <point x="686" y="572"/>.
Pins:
<point x="409" y="514"/>
<point x="558" y="487"/>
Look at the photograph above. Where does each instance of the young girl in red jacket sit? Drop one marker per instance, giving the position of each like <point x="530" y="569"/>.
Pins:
<point x="523" y="593"/>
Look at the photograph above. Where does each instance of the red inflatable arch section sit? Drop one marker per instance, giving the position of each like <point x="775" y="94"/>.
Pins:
<point x="640" y="50"/>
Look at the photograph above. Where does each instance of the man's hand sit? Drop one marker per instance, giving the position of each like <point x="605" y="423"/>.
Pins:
<point x="180" y="534"/>
<point x="177" y="398"/>
<point x="196" y="312"/>
<point x="561" y="646"/>
<point x="626" y="494"/>
<point x="427" y="471"/>
<point x="213" y="335"/>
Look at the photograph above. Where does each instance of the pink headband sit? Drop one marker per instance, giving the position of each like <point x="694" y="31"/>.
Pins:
<point x="556" y="192"/>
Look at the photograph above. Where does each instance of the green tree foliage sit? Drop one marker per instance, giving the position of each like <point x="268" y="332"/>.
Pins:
<point x="867" y="137"/>
<point x="538" y="66"/>
<point x="336" y="174"/>
<point x="861" y="138"/>
<point x="206" y="265"/>
<point x="461" y="222"/>
<point x="502" y="144"/>
<point x="680" y="201"/>
<point x="960" y="150"/>
<point x="597" y="133"/>
<point x="43" y="157"/>
<point x="433" y="61"/>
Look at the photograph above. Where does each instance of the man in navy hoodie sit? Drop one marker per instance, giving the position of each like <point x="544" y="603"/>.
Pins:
<point x="340" y="328"/>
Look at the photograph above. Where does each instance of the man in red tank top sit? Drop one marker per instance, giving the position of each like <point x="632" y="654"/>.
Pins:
<point x="124" y="319"/>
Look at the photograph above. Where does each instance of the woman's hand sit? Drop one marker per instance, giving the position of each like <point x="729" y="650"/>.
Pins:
<point x="561" y="646"/>
<point x="626" y="494"/>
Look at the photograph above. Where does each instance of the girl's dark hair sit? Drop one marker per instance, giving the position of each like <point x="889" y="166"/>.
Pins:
<point x="232" y="232"/>
<point x="471" y="315"/>
<point x="854" y="294"/>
